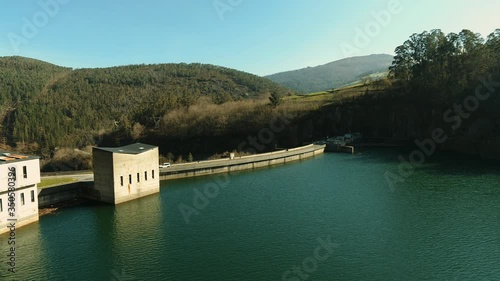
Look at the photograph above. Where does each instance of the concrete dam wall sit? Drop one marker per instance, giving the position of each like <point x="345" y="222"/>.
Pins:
<point x="78" y="190"/>
<point x="227" y="165"/>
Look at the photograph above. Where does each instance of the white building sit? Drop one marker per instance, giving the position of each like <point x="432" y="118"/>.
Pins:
<point x="22" y="174"/>
<point x="125" y="173"/>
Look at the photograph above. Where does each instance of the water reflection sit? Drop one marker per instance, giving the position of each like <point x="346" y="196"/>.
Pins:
<point x="30" y="253"/>
<point x="434" y="226"/>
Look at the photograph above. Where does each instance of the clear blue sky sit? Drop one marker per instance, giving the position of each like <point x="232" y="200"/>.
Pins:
<point x="256" y="36"/>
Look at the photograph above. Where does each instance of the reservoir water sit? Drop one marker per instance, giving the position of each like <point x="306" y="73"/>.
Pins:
<point x="333" y="217"/>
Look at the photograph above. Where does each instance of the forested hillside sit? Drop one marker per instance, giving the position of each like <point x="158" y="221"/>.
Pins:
<point x="22" y="80"/>
<point x="45" y="106"/>
<point x="448" y="81"/>
<point x="332" y="75"/>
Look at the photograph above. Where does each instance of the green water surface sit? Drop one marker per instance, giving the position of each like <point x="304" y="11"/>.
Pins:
<point x="442" y="223"/>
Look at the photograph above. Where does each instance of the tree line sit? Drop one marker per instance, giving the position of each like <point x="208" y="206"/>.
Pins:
<point x="443" y="68"/>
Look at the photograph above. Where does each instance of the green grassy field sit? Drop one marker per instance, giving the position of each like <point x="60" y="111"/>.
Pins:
<point x="337" y="95"/>
<point x="47" y="182"/>
<point x="309" y="97"/>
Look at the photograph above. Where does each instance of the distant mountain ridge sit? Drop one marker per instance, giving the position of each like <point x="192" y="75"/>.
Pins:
<point x="333" y="74"/>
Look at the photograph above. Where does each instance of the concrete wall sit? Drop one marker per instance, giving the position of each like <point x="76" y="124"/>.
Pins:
<point x="59" y="194"/>
<point x="103" y="175"/>
<point x="140" y="175"/>
<point x="121" y="177"/>
<point x="258" y="161"/>
<point x="26" y="199"/>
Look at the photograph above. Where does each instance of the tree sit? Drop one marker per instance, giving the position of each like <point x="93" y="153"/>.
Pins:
<point x="275" y="99"/>
<point x="137" y="131"/>
<point x="170" y="157"/>
<point x="493" y="47"/>
<point x="179" y="159"/>
<point x="443" y="68"/>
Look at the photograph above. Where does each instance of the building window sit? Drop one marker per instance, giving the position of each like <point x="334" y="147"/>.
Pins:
<point x="22" y="199"/>
<point x="25" y="172"/>
<point x="138" y="177"/>
<point x="32" y="196"/>
<point x="121" y="180"/>
<point x="130" y="179"/>
<point x="153" y="174"/>
<point x="146" y="175"/>
<point x="1" y="206"/>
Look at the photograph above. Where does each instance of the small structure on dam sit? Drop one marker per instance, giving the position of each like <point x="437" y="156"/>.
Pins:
<point x="19" y="177"/>
<point x="125" y="173"/>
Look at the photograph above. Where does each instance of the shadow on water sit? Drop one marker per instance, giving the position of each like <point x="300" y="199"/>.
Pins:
<point x="445" y="163"/>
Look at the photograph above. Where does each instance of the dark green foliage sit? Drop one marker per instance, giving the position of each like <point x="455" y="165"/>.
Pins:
<point x="22" y="78"/>
<point x="332" y="75"/>
<point x="55" y="106"/>
<point x="453" y="81"/>
<point x="275" y="99"/>
<point x="21" y="81"/>
<point x="443" y="69"/>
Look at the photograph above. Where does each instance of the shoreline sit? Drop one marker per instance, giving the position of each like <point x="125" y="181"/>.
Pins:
<point x="52" y="209"/>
